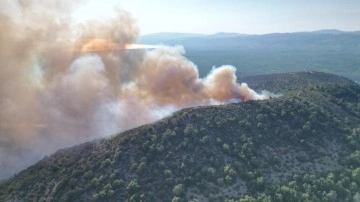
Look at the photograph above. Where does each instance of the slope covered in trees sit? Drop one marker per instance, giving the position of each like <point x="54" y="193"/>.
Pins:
<point x="302" y="146"/>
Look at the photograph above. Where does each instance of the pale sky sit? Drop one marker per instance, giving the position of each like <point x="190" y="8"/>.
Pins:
<point x="241" y="16"/>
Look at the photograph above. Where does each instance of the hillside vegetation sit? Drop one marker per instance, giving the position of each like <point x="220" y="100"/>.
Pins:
<point x="302" y="146"/>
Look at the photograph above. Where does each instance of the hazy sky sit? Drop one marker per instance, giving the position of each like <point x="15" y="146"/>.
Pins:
<point x="242" y="16"/>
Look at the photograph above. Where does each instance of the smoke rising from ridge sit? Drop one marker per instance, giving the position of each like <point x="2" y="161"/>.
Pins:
<point x="53" y="95"/>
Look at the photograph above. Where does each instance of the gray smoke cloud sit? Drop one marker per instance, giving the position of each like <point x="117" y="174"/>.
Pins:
<point x="54" y="94"/>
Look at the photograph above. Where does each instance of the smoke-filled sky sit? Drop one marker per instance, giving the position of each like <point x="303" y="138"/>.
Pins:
<point x="65" y="81"/>
<point x="241" y="16"/>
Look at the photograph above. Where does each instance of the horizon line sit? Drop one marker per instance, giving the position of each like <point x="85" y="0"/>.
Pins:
<point x="239" y="33"/>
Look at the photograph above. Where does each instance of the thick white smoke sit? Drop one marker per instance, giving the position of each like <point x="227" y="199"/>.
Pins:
<point x="53" y="95"/>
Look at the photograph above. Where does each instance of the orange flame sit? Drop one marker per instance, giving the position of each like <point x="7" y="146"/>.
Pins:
<point x="98" y="45"/>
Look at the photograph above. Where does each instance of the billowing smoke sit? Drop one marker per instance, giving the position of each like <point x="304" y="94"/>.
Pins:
<point x="56" y="90"/>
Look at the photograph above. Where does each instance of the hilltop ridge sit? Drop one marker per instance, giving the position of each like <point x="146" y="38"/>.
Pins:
<point x="279" y="149"/>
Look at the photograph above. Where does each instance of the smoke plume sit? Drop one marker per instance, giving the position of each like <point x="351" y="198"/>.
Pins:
<point x="63" y="83"/>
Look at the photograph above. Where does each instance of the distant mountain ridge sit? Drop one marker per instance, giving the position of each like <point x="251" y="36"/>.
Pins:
<point x="177" y="35"/>
<point x="331" y="51"/>
<point x="334" y="31"/>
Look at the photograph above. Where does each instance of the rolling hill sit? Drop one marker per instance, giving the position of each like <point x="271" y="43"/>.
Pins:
<point x="302" y="146"/>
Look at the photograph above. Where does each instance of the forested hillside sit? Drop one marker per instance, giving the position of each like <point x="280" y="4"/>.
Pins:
<point x="301" y="146"/>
